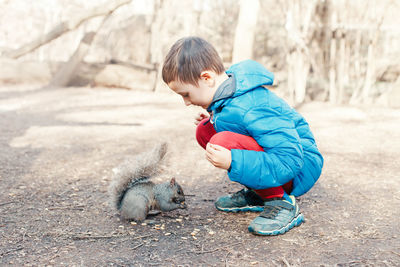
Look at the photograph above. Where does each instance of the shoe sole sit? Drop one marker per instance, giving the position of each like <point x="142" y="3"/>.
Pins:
<point x="299" y="219"/>
<point x="242" y="209"/>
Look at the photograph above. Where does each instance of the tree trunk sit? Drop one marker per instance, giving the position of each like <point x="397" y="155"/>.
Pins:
<point x="158" y="37"/>
<point x="298" y="21"/>
<point x="332" y="61"/>
<point x="332" y="72"/>
<point x="357" y="69"/>
<point x="369" y="76"/>
<point x="341" y="67"/>
<point x="245" y="30"/>
<point x="67" y="71"/>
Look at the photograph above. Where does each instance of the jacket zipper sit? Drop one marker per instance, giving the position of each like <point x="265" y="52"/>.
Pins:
<point x="214" y="123"/>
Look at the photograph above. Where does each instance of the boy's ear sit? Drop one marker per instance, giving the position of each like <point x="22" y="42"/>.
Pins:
<point x="208" y="77"/>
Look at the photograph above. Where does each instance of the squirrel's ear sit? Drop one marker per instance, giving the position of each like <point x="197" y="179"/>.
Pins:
<point x="172" y="183"/>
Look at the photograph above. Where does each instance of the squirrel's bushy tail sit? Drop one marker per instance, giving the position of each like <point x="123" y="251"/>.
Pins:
<point x="134" y="169"/>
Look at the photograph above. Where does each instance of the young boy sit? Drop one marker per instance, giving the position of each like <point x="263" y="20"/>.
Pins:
<point x="256" y="136"/>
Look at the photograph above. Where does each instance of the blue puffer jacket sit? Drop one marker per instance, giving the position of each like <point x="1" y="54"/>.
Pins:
<point x="242" y="105"/>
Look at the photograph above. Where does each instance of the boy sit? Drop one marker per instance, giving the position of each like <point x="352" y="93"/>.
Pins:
<point x="263" y="143"/>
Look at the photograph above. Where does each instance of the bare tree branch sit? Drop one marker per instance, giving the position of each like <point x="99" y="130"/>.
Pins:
<point x="66" y="72"/>
<point x="65" y="27"/>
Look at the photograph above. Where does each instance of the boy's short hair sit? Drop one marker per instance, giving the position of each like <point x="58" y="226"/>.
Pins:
<point x="187" y="58"/>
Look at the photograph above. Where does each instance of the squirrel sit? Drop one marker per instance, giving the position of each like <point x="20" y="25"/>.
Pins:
<point x="134" y="194"/>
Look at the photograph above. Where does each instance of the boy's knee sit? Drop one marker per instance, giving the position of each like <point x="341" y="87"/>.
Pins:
<point x="221" y="138"/>
<point x="231" y="140"/>
<point x="204" y="132"/>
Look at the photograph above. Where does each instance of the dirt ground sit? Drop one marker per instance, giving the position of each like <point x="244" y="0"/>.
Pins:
<point x="57" y="149"/>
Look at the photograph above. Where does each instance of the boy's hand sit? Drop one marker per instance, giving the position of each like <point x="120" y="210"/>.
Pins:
<point x="218" y="156"/>
<point x="200" y="117"/>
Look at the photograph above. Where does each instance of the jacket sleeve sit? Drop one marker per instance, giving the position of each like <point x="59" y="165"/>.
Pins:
<point x="282" y="158"/>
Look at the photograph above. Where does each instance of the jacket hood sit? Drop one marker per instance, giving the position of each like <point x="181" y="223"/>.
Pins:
<point x="243" y="76"/>
<point x="250" y="74"/>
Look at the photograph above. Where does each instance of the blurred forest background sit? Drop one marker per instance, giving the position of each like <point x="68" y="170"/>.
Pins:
<point x="344" y="52"/>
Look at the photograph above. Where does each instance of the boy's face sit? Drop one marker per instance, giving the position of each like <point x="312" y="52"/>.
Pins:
<point x="200" y="95"/>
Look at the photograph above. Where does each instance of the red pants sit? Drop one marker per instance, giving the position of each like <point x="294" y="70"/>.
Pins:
<point x="205" y="133"/>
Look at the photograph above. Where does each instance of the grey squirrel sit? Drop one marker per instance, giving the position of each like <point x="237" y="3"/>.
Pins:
<point x="134" y="194"/>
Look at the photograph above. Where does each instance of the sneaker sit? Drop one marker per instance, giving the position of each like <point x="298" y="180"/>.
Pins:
<point x="243" y="200"/>
<point x="278" y="217"/>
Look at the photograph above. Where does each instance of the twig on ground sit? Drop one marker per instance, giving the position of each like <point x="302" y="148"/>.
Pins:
<point x="208" y="200"/>
<point x="285" y="262"/>
<point x="138" y="246"/>
<point x="398" y="254"/>
<point x="143" y="236"/>
<point x="82" y="237"/>
<point x="171" y="217"/>
<point x="66" y="208"/>
<point x="216" y="249"/>
<point x="6" y="203"/>
<point x="226" y="258"/>
<point x="10" y="251"/>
